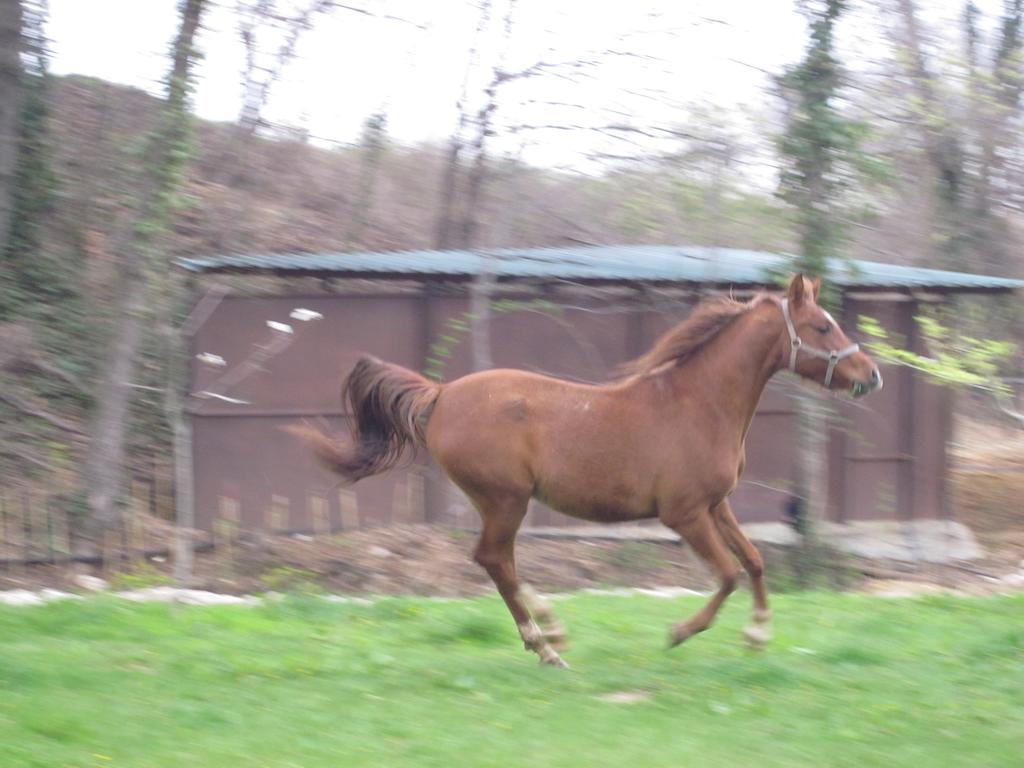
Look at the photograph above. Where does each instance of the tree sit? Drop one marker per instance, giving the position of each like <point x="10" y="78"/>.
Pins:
<point x="374" y="142"/>
<point x="445" y="223"/>
<point x="31" y="275"/>
<point x="10" y="101"/>
<point x="40" y="308"/>
<point x="966" y="150"/>
<point x="142" y="266"/>
<point x="817" y="141"/>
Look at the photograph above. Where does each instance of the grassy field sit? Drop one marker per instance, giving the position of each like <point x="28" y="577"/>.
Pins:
<point x="848" y="681"/>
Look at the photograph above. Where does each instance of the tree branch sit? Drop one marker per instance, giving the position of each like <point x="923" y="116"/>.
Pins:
<point x="29" y="409"/>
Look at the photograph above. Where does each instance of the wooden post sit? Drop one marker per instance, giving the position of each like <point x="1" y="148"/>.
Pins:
<point x="17" y="530"/>
<point x="811" y="477"/>
<point x="8" y="505"/>
<point x="348" y="502"/>
<point x="5" y="551"/>
<point x="64" y="533"/>
<point x="51" y="544"/>
<point x="164" y="502"/>
<point x="137" y="530"/>
<point x="225" y="531"/>
<point x="415" y="503"/>
<point x="108" y="550"/>
<point x="281" y="513"/>
<point x="222" y="544"/>
<point x="319" y="514"/>
<point x="399" y="503"/>
<point x="31" y="526"/>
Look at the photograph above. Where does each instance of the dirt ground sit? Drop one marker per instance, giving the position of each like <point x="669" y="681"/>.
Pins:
<point x="987" y="486"/>
<point x="435" y="560"/>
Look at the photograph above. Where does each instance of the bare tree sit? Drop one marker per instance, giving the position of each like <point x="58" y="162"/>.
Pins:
<point x="484" y="129"/>
<point x="258" y="79"/>
<point x="443" y="237"/>
<point x="140" y="263"/>
<point x="373" y="145"/>
<point x="10" y="101"/>
<point x="965" y="152"/>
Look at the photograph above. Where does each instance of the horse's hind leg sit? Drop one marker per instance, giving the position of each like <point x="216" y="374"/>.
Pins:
<point x="759" y="632"/>
<point x="699" y="532"/>
<point x="554" y="630"/>
<point x="496" y="553"/>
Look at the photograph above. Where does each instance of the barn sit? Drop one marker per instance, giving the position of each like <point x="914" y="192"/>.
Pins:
<point x="273" y="335"/>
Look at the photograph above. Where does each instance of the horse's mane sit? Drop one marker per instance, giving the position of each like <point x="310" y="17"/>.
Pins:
<point x="711" y="317"/>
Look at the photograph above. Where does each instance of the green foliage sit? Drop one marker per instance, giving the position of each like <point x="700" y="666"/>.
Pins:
<point x="144" y="576"/>
<point x="816" y="134"/>
<point x="36" y="282"/>
<point x="33" y="274"/>
<point x="822" y="149"/>
<point x="40" y="283"/>
<point x="289" y="579"/>
<point x="953" y="359"/>
<point x="458" y="328"/>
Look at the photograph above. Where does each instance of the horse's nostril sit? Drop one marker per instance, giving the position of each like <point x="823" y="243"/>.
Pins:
<point x="876" y="379"/>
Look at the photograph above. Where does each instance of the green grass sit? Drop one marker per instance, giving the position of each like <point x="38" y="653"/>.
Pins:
<point x="848" y="681"/>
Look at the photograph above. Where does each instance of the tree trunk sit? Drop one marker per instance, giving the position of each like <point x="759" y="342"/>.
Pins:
<point x="449" y="181"/>
<point x="480" y="309"/>
<point x="996" y="100"/>
<point x="442" y="235"/>
<point x="104" y="468"/>
<point x="943" y="145"/>
<point x="476" y="183"/>
<point x="811" y="484"/>
<point x="812" y="444"/>
<point x="10" y="104"/>
<point x="184" y="490"/>
<point x="106" y="452"/>
<point x="374" y="140"/>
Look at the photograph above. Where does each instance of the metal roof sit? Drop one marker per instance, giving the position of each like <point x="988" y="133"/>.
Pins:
<point x="606" y="263"/>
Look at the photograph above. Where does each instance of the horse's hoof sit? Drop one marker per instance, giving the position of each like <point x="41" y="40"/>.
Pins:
<point x="555" y="661"/>
<point x="679" y="633"/>
<point x="757" y="636"/>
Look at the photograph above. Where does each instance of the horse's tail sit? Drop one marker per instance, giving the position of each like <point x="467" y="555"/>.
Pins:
<point x="388" y="408"/>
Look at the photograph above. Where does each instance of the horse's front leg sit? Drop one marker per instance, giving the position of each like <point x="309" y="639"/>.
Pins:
<point x="697" y="528"/>
<point x="759" y="632"/>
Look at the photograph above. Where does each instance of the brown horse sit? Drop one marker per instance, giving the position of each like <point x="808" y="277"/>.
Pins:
<point x="666" y="441"/>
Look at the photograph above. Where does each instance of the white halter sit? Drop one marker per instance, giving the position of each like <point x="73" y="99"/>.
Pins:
<point x="796" y="344"/>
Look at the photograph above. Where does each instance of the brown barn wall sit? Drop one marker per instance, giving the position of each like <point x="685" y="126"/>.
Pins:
<point x="886" y="453"/>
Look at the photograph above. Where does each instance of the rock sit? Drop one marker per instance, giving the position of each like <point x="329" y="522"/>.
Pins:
<point x="185" y="596"/>
<point x="28" y="597"/>
<point x="92" y="583"/>
<point x="20" y="597"/>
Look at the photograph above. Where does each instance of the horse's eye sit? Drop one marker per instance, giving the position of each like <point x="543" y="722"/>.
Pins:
<point x="824" y="329"/>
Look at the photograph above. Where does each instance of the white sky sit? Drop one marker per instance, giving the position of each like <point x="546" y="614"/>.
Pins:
<point x="703" y="52"/>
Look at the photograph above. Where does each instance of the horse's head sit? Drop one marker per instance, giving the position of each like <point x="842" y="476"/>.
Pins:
<point x="816" y="347"/>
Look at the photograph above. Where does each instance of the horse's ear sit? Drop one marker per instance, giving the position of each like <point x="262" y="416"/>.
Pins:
<point x="795" y="294"/>
<point x="816" y="288"/>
